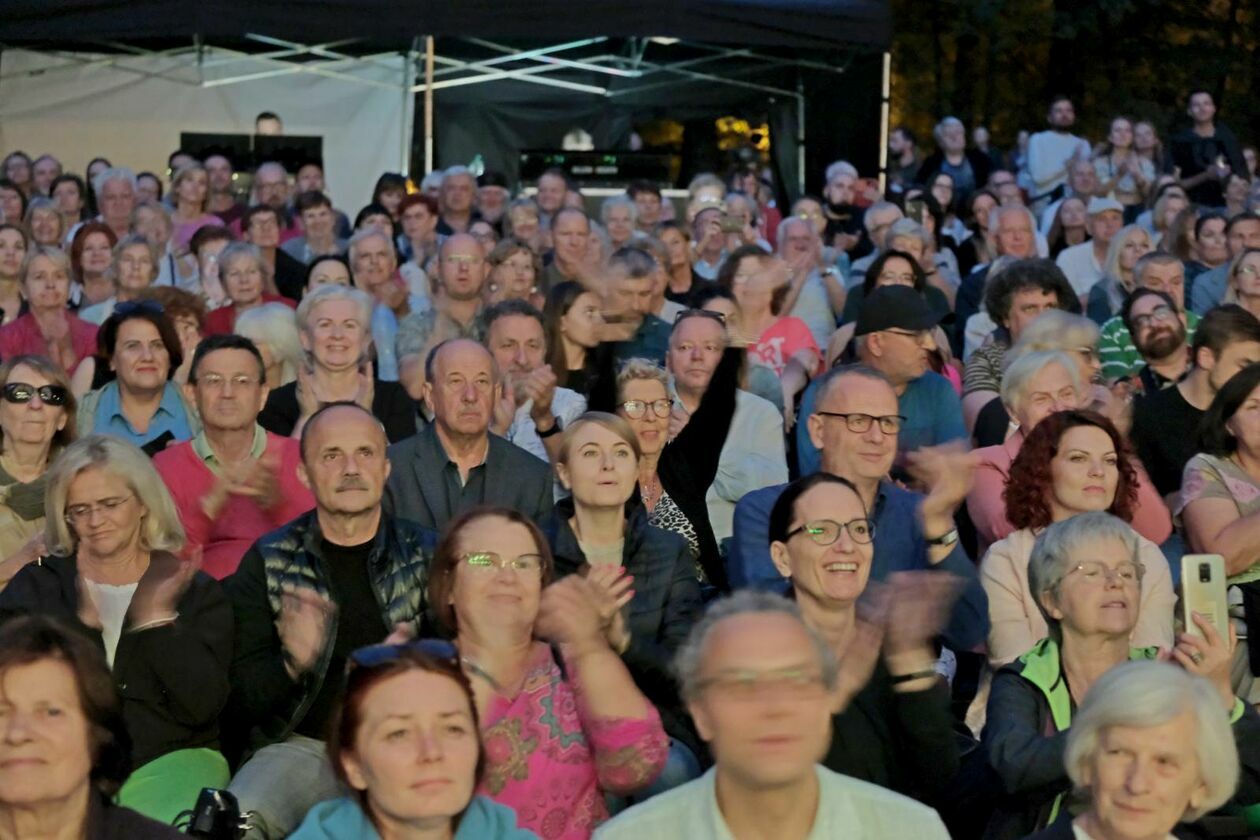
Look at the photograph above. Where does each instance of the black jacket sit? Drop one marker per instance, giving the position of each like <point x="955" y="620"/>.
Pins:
<point x="266" y="703"/>
<point x="901" y="741"/>
<point x="173" y="679"/>
<point x="689" y="463"/>
<point x="666" y="604"/>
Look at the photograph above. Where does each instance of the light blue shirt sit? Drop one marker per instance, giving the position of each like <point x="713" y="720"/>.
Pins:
<point x="171" y="416"/>
<point x="385" y="337"/>
<point x="1208" y="289"/>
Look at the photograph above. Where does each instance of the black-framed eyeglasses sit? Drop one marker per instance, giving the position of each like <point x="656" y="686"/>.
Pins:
<point x="827" y="531"/>
<point x="889" y="424"/>
<point x="20" y="392"/>
<point x="1158" y="315"/>
<point x="636" y="409"/>
<point x="374" y="656"/>
<point x="700" y="313"/>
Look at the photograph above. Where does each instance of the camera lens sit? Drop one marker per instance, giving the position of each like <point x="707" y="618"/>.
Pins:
<point x="1205" y="573"/>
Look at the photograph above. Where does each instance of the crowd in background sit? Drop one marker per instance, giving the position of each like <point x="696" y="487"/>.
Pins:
<point x="487" y="511"/>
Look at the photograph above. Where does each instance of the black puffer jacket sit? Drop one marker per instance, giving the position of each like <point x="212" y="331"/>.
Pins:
<point x="666" y="604"/>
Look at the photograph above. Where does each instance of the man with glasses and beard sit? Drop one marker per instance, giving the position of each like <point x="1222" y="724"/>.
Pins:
<point x="1159" y="334"/>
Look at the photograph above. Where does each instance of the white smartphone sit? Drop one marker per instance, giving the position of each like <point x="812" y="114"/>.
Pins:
<point x="1203" y="592"/>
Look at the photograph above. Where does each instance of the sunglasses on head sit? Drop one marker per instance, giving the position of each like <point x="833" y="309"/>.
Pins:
<point x="700" y="313"/>
<point x="20" y="392"/>
<point x="374" y="656"/>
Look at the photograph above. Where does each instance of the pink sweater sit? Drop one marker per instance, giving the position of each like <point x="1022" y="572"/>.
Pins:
<point x="225" y="540"/>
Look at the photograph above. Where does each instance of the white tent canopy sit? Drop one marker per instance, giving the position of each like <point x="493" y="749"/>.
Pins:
<point x="131" y="108"/>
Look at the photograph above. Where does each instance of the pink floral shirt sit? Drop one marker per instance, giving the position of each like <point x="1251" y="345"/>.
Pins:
<point x="551" y="761"/>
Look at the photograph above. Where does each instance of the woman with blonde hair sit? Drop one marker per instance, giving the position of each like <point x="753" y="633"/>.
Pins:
<point x="190" y="191"/>
<point x="1106" y="296"/>
<point x="115" y="575"/>
<point x="1243" y="281"/>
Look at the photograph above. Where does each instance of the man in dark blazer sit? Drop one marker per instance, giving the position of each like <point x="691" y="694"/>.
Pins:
<point x="455" y="463"/>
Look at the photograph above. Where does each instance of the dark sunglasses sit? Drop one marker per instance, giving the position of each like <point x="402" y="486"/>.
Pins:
<point x="699" y="313"/>
<point x="20" y="392"/>
<point x="131" y="307"/>
<point x="374" y="656"/>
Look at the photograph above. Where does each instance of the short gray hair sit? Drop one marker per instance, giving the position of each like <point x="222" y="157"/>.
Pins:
<point x="634" y="370"/>
<point x="1020" y="371"/>
<point x="831" y="379"/>
<point x="1055" y="329"/>
<point x="907" y="227"/>
<point x="361" y="236"/>
<point x="333" y="291"/>
<point x="996" y="214"/>
<point x="868" y="218"/>
<point x="689" y="660"/>
<point x="161" y="529"/>
<point x="242" y="250"/>
<point x="114" y="173"/>
<point x="274" y="324"/>
<point x="1146" y="694"/>
<point x="133" y="239"/>
<point x="839" y="167"/>
<point x="614" y="201"/>
<point x="1054" y="553"/>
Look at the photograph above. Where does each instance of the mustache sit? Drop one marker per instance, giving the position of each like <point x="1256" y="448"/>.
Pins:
<point x="352" y="482"/>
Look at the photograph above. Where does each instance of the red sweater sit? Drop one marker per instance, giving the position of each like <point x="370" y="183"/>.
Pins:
<point x="241" y="521"/>
<point x="222" y="321"/>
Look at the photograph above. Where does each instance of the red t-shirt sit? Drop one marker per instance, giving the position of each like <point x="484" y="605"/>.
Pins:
<point x="22" y="336"/>
<point x="781" y="341"/>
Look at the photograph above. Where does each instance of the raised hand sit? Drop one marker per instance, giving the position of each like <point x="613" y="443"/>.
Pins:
<point x="539" y="385"/>
<point x="1208" y="657"/>
<point x="366" y="391"/>
<point x="612" y="590"/>
<point x="919" y="604"/>
<point x="162" y="586"/>
<point x="303" y="627"/>
<point x="568" y="614"/>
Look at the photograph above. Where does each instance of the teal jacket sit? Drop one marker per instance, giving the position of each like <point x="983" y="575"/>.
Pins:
<point x="343" y="819"/>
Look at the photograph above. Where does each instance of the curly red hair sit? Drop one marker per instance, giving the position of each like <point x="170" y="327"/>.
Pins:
<point x="1027" y="493"/>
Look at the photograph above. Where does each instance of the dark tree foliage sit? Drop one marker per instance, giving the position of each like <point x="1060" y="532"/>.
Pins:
<point x="997" y="62"/>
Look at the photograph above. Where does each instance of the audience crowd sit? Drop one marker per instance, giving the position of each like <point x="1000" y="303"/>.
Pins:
<point x="494" y="513"/>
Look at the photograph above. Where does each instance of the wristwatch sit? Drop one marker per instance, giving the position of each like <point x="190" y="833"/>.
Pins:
<point x="946" y="540"/>
<point x="554" y="430"/>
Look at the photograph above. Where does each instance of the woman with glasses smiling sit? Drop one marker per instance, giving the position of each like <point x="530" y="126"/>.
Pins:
<point x="114" y="574"/>
<point x="894" y="728"/>
<point x="555" y="740"/>
<point x="1088" y="577"/>
<point x="36" y="423"/>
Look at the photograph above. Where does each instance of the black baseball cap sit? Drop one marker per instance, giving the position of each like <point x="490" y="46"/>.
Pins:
<point x="896" y="308"/>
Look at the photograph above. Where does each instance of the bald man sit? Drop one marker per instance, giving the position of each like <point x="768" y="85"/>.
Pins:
<point x="340" y="577"/>
<point x="455" y="464"/>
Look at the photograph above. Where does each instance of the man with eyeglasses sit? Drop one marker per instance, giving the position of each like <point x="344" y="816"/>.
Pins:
<point x="855" y="427"/>
<point x="452" y="313"/>
<point x="894" y="336"/>
<point x="879" y="217"/>
<point x="1159" y="334"/>
<point x="753" y="455"/>
<point x="455" y="464"/>
<point x="340" y="577"/>
<point x="271" y="188"/>
<point x="1159" y="272"/>
<point x="1083" y="263"/>
<point x="762" y="686"/>
<point x="234" y="481"/>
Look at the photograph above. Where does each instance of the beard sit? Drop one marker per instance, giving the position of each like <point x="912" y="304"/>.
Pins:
<point x="1161" y="343"/>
